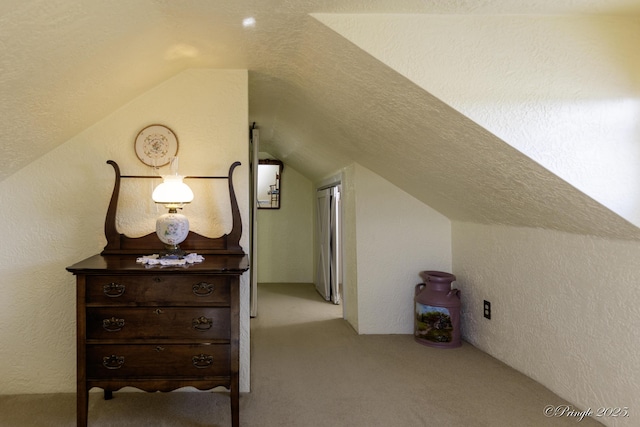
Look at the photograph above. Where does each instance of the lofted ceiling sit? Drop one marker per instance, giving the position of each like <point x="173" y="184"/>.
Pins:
<point x="320" y="102"/>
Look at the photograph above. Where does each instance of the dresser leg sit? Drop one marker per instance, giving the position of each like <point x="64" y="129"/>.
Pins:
<point x="108" y="394"/>
<point x="83" y="406"/>
<point x="235" y="406"/>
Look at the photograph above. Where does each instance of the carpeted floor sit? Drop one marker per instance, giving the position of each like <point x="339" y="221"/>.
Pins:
<point x="309" y="368"/>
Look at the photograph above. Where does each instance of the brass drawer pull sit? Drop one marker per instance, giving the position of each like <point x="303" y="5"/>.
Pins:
<point x="113" y="290"/>
<point x="202" y="323"/>
<point x="113" y="361"/>
<point x="159" y="348"/>
<point x="158" y="311"/>
<point x="113" y="324"/>
<point x="202" y="361"/>
<point x="203" y="289"/>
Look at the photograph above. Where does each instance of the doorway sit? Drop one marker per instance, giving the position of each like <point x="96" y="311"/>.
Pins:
<point x="290" y="235"/>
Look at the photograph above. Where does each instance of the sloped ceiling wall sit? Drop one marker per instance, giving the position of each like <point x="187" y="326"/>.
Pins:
<point x="341" y="101"/>
<point x="321" y="102"/>
<point x="564" y="90"/>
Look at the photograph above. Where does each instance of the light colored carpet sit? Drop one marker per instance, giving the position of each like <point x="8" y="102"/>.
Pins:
<point x="309" y="368"/>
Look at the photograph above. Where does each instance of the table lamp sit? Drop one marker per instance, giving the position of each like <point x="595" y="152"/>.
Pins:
<point x="172" y="228"/>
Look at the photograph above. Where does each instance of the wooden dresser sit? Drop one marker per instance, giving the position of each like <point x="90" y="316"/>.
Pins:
<point x="159" y="328"/>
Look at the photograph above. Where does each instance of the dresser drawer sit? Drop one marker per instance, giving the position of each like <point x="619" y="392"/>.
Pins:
<point x="158" y="289"/>
<point x="157" y="361"/>
<point x="192" y="323"/>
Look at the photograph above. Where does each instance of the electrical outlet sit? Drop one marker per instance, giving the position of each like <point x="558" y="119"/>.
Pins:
<point x="487" y="309"/>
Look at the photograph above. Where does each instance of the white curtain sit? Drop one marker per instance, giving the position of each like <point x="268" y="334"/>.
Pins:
<point x="329" y="270"/>
<point x="323" y="272"/>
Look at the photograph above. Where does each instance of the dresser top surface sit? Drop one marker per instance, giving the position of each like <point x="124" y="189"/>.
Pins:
<point x="126" y="264"/>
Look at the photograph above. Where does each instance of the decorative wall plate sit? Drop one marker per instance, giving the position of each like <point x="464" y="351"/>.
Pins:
<point x="155" y="145"/>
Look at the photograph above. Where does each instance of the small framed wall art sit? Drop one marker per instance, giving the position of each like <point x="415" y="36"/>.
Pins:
<point x="155" y="145"/>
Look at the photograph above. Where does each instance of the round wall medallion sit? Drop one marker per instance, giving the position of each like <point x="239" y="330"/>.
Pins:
<point x="155" y="145"/>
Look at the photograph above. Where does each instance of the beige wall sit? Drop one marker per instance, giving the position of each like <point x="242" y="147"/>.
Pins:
<point x="391" y="237"/>
<point x="565" y="309"/>
<point x="350" y="247"/>
<point x="285" y="235"/>
<point x="53" y="216"/>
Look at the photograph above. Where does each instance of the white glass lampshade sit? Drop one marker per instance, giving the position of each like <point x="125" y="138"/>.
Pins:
<point x="172" y="191"/>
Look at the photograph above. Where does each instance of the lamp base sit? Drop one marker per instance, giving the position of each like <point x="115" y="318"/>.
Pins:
<point x="172" y="229"/>
<point x="172" y="252"/>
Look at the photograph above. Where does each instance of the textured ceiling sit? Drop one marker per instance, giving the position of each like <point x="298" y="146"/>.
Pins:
<point x="320" y="102"/>
<point x="363" y="111"/>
